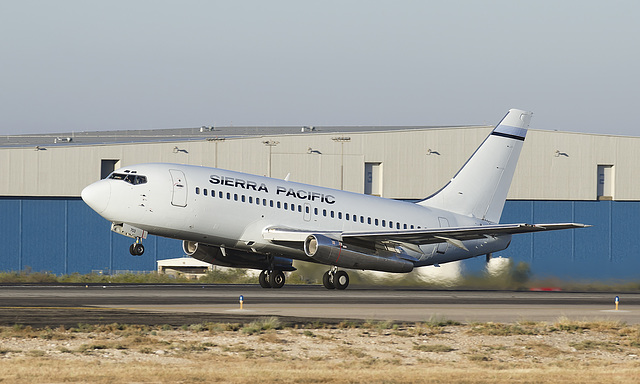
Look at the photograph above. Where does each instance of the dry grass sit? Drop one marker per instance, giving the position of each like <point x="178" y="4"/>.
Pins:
<point x="243" y="371"/>
<point x="373" y="352"/>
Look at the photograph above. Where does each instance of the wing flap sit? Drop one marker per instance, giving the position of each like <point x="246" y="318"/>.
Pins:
<point x="454" y="235"/>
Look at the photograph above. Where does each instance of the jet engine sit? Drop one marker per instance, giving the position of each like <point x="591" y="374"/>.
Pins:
<point x="234" y="258"/>
<point x="332" y="252"/>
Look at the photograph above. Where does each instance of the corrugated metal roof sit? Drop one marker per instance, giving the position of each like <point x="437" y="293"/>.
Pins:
<point x="183" y="134"/>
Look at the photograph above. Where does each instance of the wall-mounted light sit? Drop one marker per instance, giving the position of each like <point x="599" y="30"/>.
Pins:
<point x="558" y="153"/>
<point x="176" y="150"/>
<point x="270" y="144"/>
<point x="432" y="152"/>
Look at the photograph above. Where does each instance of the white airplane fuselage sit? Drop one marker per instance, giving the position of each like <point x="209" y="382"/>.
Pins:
<point x="232" y="209"/>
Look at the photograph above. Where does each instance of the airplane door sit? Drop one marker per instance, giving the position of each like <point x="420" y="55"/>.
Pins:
<point x="179" y="196"/>
<point x="442" y="247"/>
<point x="307" y="212"/>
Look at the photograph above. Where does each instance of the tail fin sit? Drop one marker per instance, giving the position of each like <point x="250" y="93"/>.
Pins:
<point x="480" y="187"/>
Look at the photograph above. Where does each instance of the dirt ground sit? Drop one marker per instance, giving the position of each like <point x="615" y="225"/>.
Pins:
<point x="266" y="350"/>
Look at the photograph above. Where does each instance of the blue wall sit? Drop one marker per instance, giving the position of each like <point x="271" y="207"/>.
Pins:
<point x="63" y="235"/>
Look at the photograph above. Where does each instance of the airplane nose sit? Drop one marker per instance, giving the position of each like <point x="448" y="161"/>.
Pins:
<point x="97" y="195"/>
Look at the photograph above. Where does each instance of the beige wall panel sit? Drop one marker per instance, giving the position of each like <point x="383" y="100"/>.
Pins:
<point x="627" y="170"/>
<point x="314" y="158"/>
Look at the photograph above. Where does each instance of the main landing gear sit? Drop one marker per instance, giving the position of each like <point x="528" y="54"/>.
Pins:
<point x="271" y="279"/>
<point x="136" y="249"/>
<point x="334" y="279"/>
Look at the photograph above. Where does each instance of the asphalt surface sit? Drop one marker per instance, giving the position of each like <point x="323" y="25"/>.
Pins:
<point x="68" y="305"/>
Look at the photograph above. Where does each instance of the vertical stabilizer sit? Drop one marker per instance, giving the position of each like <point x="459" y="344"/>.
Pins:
<point x="480" y="187"/>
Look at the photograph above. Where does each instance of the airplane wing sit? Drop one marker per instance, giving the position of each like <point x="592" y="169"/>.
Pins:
<point x="453" y="235"/>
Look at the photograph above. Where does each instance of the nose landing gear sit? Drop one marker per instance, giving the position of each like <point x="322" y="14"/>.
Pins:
<point x="136" y="249"/>
<point x="334" y="279"/>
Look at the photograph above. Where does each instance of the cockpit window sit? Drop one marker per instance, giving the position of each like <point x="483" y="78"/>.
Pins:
<point x="117" y="176"/>
<point x="131" y="179"/>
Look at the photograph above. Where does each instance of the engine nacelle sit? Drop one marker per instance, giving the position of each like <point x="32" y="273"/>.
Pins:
<point x="234" y="258"/>
<point x="332" y="252"/>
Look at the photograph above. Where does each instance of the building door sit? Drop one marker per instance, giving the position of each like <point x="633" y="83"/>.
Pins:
<point x="107" y="167"/>
<point x="179" y="197"/>
<point x="373" y="179"/>
<point x="605" y="182"/>
<point x="442" y="247"/>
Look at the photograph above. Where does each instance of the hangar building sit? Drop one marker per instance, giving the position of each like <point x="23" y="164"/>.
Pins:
<point x="561" y="177"/>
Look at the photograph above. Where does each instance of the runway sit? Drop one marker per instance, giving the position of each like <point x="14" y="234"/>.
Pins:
<point x="187" y="304"/>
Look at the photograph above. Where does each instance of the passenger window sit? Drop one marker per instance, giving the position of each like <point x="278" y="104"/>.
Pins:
<point x="390" y="224"/>
<point x="242" y="198"/>
<point x="384" y="223"/>
<point x="220" y="194"/>
<point x="355" y="218"/>
<point x="306" y="209"/>
<point x="235" y="196"/>
<point x="375" y="222"/>
<point x="264" y="202"/>
<point x="271" y="203"/>
<point x="368" y="220"/>
<point x="299" y="208"/>
<point x="228" y="196"/>
<point x="315" y="211"/>
<point x="405" y="226"/>
<point x="293" y="207"/>
<point x="286" y="206"/>
<point x="346" y="216"/>
<point x="339" y="215"/>
<point x="397" y="225"/>
<point x="197" y="190"/>
<point x="332" y="214"/>
<point x="412" y="226"/>
<point x="204" y="191"/>
<point x="250" y="200"/>
<point x="278" y="204"/>
<point x="324" y="212"/>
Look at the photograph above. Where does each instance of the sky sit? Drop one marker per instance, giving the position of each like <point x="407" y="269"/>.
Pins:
<point x="71" y="66"/>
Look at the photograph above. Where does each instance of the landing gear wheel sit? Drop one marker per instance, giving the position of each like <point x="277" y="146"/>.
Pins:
<point x="327" y="280"/>
<point x="264" y="279"/>
<point x="136" y="249"/>
<point x="341" y="280"/>
<point x="276" y="279"/>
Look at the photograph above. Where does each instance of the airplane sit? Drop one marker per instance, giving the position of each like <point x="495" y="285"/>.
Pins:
<point x="241" y="220"/>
